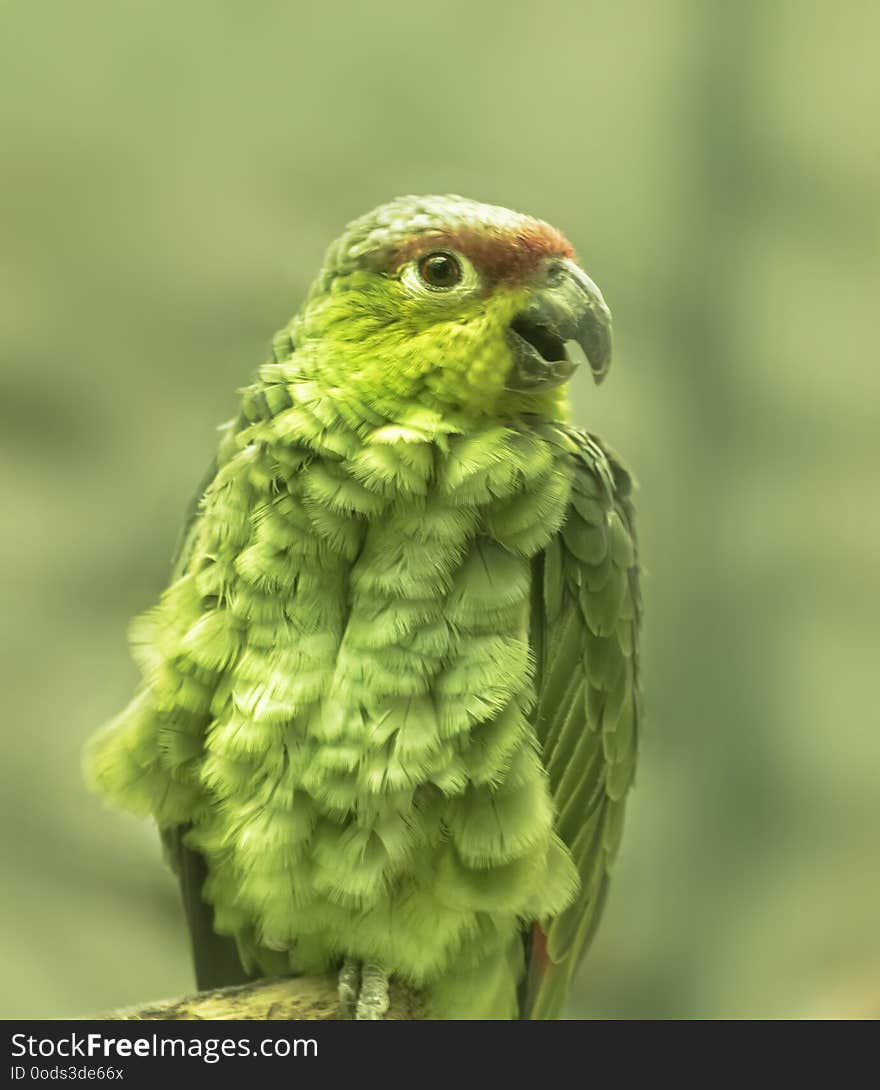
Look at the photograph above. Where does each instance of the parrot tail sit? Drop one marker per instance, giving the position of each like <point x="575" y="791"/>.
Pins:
<point x="545" y="987"/>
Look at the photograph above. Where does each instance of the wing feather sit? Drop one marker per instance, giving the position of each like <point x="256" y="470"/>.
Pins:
<point x="585" y="623"/>
<point x="216" y="958"/>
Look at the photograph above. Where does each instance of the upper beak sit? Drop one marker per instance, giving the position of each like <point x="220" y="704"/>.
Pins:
<point x="565" y="323"/>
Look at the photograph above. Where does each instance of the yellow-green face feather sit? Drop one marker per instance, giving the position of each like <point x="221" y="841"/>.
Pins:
<point x="388" y="707"/>
<point x="390" y="341"/>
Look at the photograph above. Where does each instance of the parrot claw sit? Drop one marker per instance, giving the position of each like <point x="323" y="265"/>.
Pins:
<point x="363" y="990"/>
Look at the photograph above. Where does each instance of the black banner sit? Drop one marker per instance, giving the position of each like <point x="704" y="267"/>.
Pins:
<point x="142" y="1053"/>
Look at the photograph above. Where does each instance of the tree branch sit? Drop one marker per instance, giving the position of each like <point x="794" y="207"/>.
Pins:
<point x="308" y="999"/>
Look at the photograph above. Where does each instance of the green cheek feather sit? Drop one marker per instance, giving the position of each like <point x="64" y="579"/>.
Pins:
<point x="389" y="700"/>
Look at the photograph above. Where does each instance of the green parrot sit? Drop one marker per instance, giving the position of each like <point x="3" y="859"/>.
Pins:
<point x="388" y="714"/>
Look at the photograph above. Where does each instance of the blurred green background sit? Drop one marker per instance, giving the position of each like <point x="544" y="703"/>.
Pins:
<point x="171" y="174"/>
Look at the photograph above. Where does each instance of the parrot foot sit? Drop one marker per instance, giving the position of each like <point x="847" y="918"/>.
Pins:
<point x="363" y="990"/>
<point x="373" y="1000"/>
<point x="349" y="986"/>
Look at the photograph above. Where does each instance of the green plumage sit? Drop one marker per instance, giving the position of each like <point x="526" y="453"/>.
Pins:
<point x="389" y="700"/>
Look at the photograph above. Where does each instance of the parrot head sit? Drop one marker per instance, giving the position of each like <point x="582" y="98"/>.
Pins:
<point x="467" y="305"/>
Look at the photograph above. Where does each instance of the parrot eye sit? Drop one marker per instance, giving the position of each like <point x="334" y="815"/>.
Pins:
<point x="440" y="270"/>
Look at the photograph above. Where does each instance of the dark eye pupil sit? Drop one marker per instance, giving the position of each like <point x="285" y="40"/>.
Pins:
<point x="440" y="270"/>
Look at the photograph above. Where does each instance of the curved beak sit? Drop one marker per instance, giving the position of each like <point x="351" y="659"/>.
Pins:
<point x="565" y="323"/>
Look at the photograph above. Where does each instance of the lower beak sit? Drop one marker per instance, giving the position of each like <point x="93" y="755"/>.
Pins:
<point x="565" y="323"/>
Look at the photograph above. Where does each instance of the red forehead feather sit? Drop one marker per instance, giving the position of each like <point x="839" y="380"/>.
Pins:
<point x="508" y="256"/>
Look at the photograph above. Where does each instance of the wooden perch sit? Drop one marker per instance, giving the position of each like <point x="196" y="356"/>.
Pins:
<point x="306" y="999"/>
